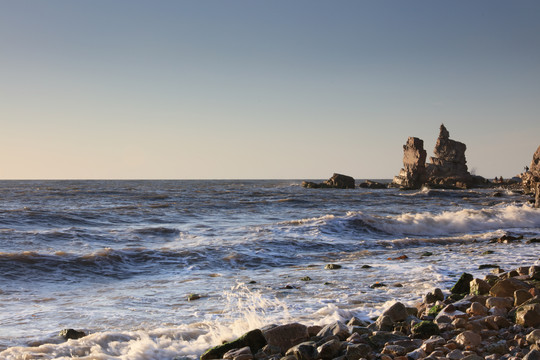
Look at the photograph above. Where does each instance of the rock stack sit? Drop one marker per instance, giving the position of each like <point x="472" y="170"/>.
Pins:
<point x="531" y="178"/>
<point x="448" y="167"/>
<point x="495" y="318"/>
<point x="413" y="173"/>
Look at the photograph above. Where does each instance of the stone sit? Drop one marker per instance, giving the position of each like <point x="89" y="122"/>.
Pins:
<point x="337" y="328"/>
<point x="528" y="315"/>
<point x="477" y="309"/>
<point x="532" y="355"/>
<point x="416" y="354"/>
<point x="354" y="321"/>
<point x="304" y="351"/>
<point x="435" y="295"/>
<point x="472" y="357"/>
<point x="384" y="323"/>
<point x="71" y="334"/>
<point x="468" y="338"/>
<point x="462" y="286"/>
<point x="433" y="342"/>
<point x="340" y="181"/>
<point x="425" y="329"/>
<point x="396" y="312"/>
<point x="533" y="337"/>
<point x="413" y="173"/>
<point x="520" y="296"/>
<point x="254" y="339"/>
<point x="498" y="347"/>
<point x="380" y="338"/>
<point x="286" y="336"/>
<point x="368" y="184"/>
<point x="357" y="351"/>
<point x="394" y="350"/>
<point x="239" y="354"/>
<point x="329" y="349"/>
<point x="506" y="287"/>
<point x="332" y="266"/>
<point x="455" y="355"/>
<point x="479" y="287"/>
<point x="500" y="302"/>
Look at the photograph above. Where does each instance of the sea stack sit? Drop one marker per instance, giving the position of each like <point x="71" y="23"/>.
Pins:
<point x="448" y="167"/>
<point x="531" y="178"/>
<point x="413" y="173"/>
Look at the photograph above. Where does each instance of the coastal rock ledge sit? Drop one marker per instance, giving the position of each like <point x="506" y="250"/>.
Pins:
<point x="447" y="169"/>
<point x="531" y="178"/>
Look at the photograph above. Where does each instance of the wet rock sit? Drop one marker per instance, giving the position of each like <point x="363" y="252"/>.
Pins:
<point x="477" y="309"/>
<point x="425" y="329"/>
<point x="354" y="321"/>
<point x="329" y="349"/>
<point x="506" y="288"/>
<point x="383" y="323"/>
<point x="528" y="315"/>
<point x="479" y="287"/>
<point x="396" y="312"/>
<point x="377" y="285"/>
<point x="500" y="302"/>
<point x="357" y="351"/>
<point x="368" y="184"/>
<point x="532" y="355"/>
<point x="468" y="338"/>
<point x="286" y="336"/>
<point x="332" y="266"/>
<point x="462" y="286"/>
<point x="335" y="329"/>
<point x="340" y="181"/>
<point x="394" y="350"/>
<point x="520" y="296"/>
<point x="71" y="334"/>
<point x="304" y="351"/>
<point x="435" y="295"/>
<point x="254" y="339"/>
<point x="380" y="338"/>
<point x="239" y="354"/>
<point x="192" y="297"/>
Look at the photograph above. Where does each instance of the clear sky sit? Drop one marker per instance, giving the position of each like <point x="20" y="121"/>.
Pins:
<point x="263" y="89"/>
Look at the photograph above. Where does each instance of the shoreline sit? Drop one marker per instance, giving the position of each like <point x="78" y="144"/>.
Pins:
<point x="495" y="318"/>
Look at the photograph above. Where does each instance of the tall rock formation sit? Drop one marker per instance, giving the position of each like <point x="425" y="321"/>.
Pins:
<point x="531" y="179"/>
<point x="448" y="167"/>
<point x="413" y="173"/>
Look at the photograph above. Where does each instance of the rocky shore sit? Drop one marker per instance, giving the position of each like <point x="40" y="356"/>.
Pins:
<point x="495" y="318"/>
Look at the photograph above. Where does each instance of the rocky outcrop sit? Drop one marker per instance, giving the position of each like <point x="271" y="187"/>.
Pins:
<point x="413" y="173"/>
<point x="447" y="169"/>
<point x="449" y="166"/>
<point x="337" y="181"/>
<point x="531" y="178"/>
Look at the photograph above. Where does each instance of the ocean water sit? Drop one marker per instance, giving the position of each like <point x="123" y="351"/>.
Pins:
<point x="118" y="259"/>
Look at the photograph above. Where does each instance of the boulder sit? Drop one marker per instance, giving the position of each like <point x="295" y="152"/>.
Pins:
<point x="304" y="351"/>
<point x="528" y="315"/>
<point x="239" y="354"/>
<point x="396" y="312"/>
<point x="425" y="329"/>
<point x="468" y="338"/>
<point x="254" y="339"/>
<point x="337" y="328"/>
<point x="340" y="181"/>
<point x="286" y="336"/>
<point x="71" y="334"/>
<point x="337" y="181"/>
<point x="413" y="173"/>
<point x="368" y="184"/>
<point x="506" y="287"/>
<point x="532" y="355"/>
<point x="357" y="351"/>
<point x="462" y="286"/>
<point x="479" y="287"/>
<point x="329" y="349"/>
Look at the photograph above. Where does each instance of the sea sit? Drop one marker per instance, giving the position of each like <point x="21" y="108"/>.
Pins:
<point x="168" y="269"/>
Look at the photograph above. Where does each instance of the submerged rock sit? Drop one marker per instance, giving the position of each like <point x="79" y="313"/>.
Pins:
<point x="71" y="334"/>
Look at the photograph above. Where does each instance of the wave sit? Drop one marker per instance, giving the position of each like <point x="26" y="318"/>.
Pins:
<point x="360" y="225"/>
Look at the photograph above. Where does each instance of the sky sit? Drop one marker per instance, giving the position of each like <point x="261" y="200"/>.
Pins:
<point x="132" y="89"/>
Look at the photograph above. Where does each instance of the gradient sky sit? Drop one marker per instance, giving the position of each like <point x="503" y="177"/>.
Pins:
<point x="263" y="89"/>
